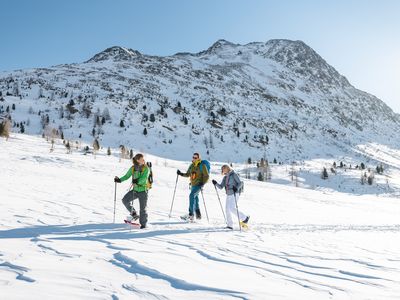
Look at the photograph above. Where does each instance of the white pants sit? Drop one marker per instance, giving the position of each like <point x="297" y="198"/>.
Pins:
<point x="230" y="208"/>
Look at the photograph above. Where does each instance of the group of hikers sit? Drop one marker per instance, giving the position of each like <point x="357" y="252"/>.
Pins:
<point x="198" y="172"/>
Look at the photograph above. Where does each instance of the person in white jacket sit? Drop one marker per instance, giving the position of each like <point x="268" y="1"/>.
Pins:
<point x="233" y="185"/>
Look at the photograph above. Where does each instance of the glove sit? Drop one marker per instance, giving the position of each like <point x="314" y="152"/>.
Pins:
<point x="179" y="172"/>
<point x="116" y="179"/>
<point x="214" y="182"/>
<point x="234" y="188"/>
<point x="135" y="180"/>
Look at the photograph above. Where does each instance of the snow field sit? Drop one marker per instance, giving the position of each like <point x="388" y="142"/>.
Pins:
<point x="58" y="240"/>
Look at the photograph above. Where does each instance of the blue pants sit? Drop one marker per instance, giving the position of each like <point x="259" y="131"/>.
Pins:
<point x="194" y="199"/>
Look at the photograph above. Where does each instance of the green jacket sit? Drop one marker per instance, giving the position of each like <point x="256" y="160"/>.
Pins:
<point x="140" y="173"/>
<point x="198" y="174"/>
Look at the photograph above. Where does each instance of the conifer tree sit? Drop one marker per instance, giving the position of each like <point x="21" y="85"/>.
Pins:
<point x="260" y="176"/>
<point x="324" y="173"/>
<point x="68" y="146"/>
<point x="96" y="147"/>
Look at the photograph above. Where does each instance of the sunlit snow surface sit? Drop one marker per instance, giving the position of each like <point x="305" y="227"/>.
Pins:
<point x="58" y="239"/>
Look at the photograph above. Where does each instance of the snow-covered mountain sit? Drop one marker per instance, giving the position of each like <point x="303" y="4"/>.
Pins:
<point x="232" y="101"/>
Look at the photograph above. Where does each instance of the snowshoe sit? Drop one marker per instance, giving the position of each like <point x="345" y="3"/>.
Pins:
<point x="134" y="224"/>
<point x="244" y="225"/>
<point x="189" y="218"/>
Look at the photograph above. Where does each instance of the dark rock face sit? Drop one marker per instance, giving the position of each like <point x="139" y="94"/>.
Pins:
<point x="115" y="53"/>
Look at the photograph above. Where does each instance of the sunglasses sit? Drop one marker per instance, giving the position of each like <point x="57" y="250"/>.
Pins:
<point x="194" y="157"/>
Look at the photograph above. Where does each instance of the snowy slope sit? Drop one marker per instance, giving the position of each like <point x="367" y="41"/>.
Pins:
<point x="58" y="240"/>
<point x="224" y="101"/>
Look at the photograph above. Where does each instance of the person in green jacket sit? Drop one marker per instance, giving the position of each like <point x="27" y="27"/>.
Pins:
<point x="198" y="174"/>
<point x="140" y="174"/>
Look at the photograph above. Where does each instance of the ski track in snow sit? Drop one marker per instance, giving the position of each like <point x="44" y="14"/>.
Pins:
<point x="301" y="244"/>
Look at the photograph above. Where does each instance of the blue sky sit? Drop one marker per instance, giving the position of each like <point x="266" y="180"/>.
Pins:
<point x="359" y="38"/>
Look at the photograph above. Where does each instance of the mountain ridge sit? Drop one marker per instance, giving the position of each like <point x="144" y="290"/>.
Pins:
<point x="279" y="98"/>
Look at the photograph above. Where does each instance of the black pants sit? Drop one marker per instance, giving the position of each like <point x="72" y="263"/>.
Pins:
<point x="128" y="202"/>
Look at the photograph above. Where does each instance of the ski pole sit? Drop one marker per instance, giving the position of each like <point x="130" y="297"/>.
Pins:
<point x="173" y="197"/>
<point x="205" y="207"/>
<point x="115" y="200"/>
<point x="220" y="203"/>
<point x="237" y="210"/>
<point x="133" y="199"/>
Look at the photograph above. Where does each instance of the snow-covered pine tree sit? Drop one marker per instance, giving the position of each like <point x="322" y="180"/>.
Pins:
<point x="324" y="174"/>
<point x="68" y="146"/>
<point x="260" y="176"/>
<point x="371" y="177"/>
<point x="211" y="140"/>
<point x="96" y="147"/>
<point x="86" y="110"/>
<point x="106" y="114"/>
<point x="40" y="93"/>
<point x="122" y="152"/>
<point x="16" y="90"/>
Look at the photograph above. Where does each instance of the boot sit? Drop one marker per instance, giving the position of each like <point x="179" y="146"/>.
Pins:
<point x="188" y="217"/>
<point x="134" y="215"/>
<point x="198" y="214"/>
<point x="245" y="221"/>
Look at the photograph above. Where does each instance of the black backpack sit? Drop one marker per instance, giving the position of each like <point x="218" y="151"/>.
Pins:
<point x="150" y="179"/>
<point x="241" y="190"/>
